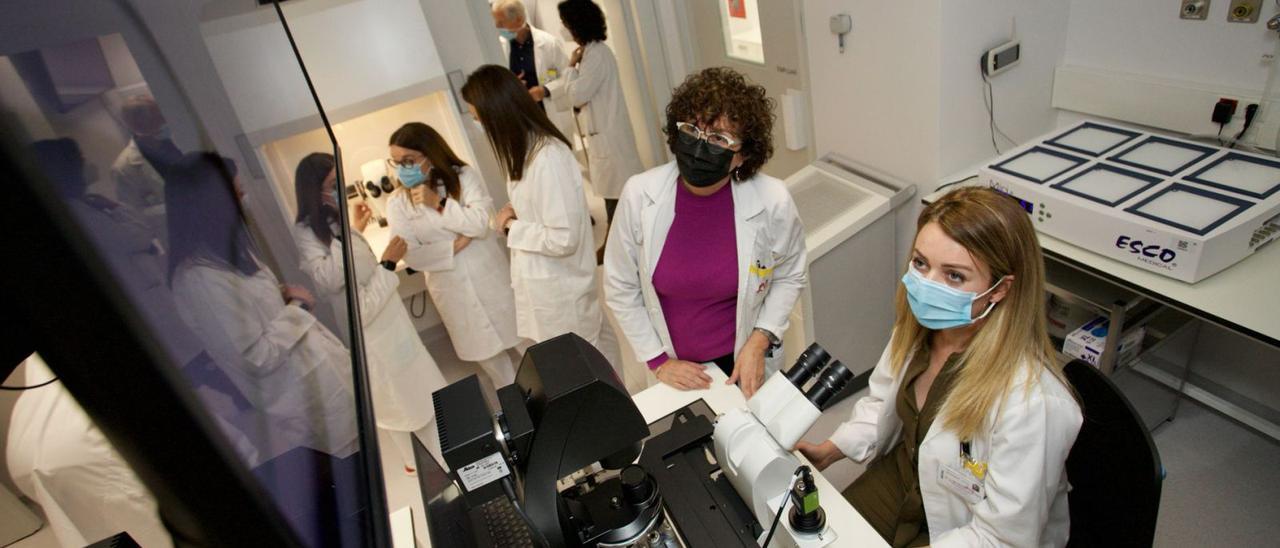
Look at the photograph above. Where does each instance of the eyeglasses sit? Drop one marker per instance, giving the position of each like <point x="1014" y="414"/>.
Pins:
<point x="404" y="162"/>
<point x="718" y="139"/>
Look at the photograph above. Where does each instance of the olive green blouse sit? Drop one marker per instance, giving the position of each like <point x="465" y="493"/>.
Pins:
<point x="888" y="493"/>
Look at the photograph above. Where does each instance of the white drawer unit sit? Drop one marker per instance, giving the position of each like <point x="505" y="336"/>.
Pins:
<point x="1174" y="207"/>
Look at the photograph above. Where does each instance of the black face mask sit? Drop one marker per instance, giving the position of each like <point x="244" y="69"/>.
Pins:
<point x="701" y="164"/>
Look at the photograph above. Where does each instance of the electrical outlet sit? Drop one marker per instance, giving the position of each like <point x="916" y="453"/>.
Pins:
<point x="1244" y="11"/>
<point x="1196" y="10"/>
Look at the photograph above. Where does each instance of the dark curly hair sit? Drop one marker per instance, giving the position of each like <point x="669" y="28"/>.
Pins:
<point x="584" y="19"/>
<point x="706" y="96"/>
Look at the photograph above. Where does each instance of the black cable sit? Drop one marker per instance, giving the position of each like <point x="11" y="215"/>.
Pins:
<point x="511" y="494"/>
<point x="786" y="498"/>
<point x="956" y="182"/>
<point x="989" y="101"/>
<point x="21" y="388"/>
<point x="1221" y="126"/>
<point x="1249" y="112"/>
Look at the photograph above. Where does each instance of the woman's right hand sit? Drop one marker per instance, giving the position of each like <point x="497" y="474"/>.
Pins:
<point x="683" y="375"/>
<point x="360" y="219"/>
<point x="290" y="293"/>
<point x="395" y="250"/>
<point x="460" y="243"/>
<point x="822" y="455"/>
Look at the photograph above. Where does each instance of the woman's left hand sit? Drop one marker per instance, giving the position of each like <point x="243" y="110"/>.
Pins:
<point x="576" y="57"/>
<point x="507" y="213"/>
<point x="748" y="369"/>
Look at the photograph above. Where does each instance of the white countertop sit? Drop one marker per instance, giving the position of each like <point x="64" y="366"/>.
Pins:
<point x="660" y="400"/>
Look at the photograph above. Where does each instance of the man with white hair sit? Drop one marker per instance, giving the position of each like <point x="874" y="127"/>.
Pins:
<point x="536" y="57"/>
<point x="138" y="172"/>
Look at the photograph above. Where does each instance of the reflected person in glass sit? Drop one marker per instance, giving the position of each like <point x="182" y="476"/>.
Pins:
<point x="282" y="359"/>
<point x="401" y="373"/>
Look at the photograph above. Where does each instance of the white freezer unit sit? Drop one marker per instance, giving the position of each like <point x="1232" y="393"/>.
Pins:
<point x="1174" y="207"/>
<point x="847" y="212"/>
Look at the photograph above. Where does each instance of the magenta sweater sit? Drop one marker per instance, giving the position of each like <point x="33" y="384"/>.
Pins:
<point x="697" y="277"/>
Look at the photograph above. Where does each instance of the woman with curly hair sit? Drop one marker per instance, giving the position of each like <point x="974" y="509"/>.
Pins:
<point x="593" y="90"/>
<point x="706" y="255"/>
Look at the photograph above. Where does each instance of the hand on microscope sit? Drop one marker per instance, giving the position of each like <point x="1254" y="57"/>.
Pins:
<point x="748" y="369"/>
<point x="683" y="375"/>
<point x="821" y="455"/>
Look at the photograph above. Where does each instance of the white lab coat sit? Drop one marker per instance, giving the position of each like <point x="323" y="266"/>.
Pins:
<point x="471" y="289"/>
<point x="282" y="360"/>
<point x="401" y="372"/>
<point x="553" y="261"/>
<point x="1025" y="450"/>
<point x="611" y="146"/>
<point x="59" y="459"/>
<point x="552" y="63"/>
<point x="137" y="184"/>
<point x="772" y="267"/>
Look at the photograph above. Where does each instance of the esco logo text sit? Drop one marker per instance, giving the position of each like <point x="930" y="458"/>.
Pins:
<point x="1137" y="247"/>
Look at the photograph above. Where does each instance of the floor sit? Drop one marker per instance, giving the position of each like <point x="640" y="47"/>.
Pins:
<point x="1221" y="488"/>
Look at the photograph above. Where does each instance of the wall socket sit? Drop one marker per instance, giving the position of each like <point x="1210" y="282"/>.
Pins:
<point x="1196" y="10"/>
<point x="1244" y="11"/>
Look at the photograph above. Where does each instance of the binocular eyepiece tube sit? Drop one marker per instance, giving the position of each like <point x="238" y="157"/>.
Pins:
<point x="807" y="365"/>
<point x="832" y="382"/>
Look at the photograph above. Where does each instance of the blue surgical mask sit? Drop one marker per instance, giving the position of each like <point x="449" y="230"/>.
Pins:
<point x="937" y="306"/>
<point x="508" y="34"/>
<point x="410" y="176"/>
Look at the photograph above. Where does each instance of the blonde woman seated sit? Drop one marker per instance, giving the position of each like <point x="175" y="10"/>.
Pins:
<point x="969" y="418"/>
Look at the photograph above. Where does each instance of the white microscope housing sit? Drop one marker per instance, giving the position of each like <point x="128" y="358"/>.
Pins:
<point x="753" y="445"/>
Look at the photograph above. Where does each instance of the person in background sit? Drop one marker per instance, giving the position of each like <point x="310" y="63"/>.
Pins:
<point x="707" y="254"/>
<point x="443" y="211"/>
<point x="536" y="57"/>
<point x="547" y="224"/>
<point x="592" y="89"/>
<point x="138" y="172"/>
<point x="968" y="391"/>
<point x="283" y="361"/>
<point x="401" y="372"/>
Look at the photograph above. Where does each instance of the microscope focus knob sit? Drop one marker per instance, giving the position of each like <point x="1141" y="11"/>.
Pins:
<point x="636" y="485"/>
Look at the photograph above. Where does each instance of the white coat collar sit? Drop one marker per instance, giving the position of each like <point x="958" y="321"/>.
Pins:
<point x="746" y="198"/>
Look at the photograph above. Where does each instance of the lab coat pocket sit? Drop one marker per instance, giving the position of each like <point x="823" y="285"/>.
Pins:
<point x="760" y="271"/>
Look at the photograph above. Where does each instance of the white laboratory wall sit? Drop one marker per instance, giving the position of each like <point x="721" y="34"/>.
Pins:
<point x="1022" y="94"/>
<point x="354" y="51"/>
<point x="1147" y="37"/>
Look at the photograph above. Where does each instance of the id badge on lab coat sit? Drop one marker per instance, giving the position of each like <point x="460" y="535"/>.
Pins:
<point x="962" y="482"/>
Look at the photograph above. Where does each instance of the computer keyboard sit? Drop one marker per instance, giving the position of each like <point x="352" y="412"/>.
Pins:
<point x="506" y="528"/>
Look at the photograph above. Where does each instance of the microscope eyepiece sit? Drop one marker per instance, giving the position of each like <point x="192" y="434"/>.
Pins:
<point x="833" y="380"/>
<point x="809" y="363"/>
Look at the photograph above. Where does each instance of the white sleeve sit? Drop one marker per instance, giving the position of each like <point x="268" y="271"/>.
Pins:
<point x="1029" y="450"/>
<point x="622" y="284"/>
<point x="320" y="261"/>
<point x="559" y="205"/>
<point x="858" y="437"/>
<point x="424" y="253"/>
<point x="790" y="272"/>
<point x="585" y="81"/>
<point x="471" y="217"/>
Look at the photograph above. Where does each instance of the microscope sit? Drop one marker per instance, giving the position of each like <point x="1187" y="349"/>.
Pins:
<point x="570" y="459"/>
<point x="566" y="416"/>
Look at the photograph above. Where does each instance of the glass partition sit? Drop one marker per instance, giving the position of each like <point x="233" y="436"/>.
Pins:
<point x="146" y="143"/>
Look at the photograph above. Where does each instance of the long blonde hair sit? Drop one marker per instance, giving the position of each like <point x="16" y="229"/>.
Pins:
<point x="998" y="232"/>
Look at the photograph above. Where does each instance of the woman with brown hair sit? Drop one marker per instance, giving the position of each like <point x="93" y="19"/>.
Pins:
<point x="706" y="255"/>
<point x="969" y="418"/>
<point x="443" y="211"/>
<point x="548" y="229"/>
